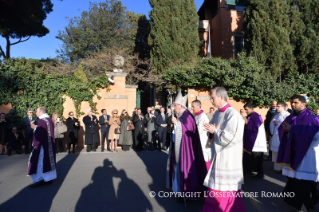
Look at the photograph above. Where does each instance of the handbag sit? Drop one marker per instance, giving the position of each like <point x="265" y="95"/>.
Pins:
<point x="117" y="130"/>
<point x="62" y="128"/>
<point x="130" y="127"/>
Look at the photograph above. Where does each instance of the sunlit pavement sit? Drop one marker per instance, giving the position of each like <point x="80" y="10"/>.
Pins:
<point x="118" y="181"/>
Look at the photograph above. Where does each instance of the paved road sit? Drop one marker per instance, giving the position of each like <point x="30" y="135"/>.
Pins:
<point x="118" y="181"/>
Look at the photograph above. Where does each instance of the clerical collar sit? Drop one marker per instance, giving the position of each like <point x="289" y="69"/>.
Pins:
<point x="296" y="113"/>
<point x="44" y="116"/>
<point x="224" y="108"/>
<point x="199" y="112"/>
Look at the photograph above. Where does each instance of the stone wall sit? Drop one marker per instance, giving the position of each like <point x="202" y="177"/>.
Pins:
<point x="121" y="96"/>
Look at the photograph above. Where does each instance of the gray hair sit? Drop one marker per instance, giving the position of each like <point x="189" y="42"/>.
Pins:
<point x="42" y="109"/>
<point x="88" y="110"/>
<point x="220" y="91"/>
<point x="197" y="102"/>
<point x="29" y="110"/>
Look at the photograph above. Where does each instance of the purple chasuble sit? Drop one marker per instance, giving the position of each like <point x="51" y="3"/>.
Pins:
<point x="40" y="138"/>
<point x="295" y="144"/>
<point x="192" y="164"/>
<point x="251" y="131"/>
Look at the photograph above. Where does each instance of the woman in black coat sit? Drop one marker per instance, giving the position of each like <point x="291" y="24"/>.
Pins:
<point x="73" y="126"/>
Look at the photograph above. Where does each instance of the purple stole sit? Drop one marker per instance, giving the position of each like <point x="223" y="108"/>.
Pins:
<point x="295" y="144"/>
<point x="251" y="131"/>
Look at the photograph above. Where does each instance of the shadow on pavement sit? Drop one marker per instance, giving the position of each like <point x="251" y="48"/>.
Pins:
<point x="40" y="198"/>
<point x="102" y="195"/>
<point x="155" y="162"/>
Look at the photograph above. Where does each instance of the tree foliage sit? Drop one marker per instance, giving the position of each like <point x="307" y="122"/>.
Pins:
<point x="104" y="26"/>
<point x="21" y="19"/>
<point x="31" y="83"/>
<point x="244" y="78"/>
<point x="174" y="34"/>
<point x="283" y="35"/>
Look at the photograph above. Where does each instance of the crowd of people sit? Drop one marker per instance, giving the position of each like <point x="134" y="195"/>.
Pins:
<point x="210" y="152"/>
<point x="12" y="138"/>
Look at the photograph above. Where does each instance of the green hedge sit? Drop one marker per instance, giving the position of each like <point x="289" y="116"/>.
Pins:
<point x="245" y="79"/>
<point x="28" y="84"/>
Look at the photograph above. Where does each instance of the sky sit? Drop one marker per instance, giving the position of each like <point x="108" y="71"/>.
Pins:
<point x="46" y="46"/>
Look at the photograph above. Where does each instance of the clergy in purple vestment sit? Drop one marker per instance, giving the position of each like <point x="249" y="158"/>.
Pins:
<point x="186" y="168"/>
<point x="299" y="153"/>
<point x="42" y="161"/>
<point x="255" y="143"/>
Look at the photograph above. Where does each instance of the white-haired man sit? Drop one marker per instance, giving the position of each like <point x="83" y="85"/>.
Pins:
<point x="225" y="175"/>
<point x="42" y="162"/>
<point x="91" y="131"/>
<point x="186" y="167"/>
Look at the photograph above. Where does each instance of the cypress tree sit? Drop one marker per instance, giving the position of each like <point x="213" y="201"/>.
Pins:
<point x="267" y="27"/>
<point x="283" y="34"/>
<point x="304" y="34"/>
<point x="174" y="36"/>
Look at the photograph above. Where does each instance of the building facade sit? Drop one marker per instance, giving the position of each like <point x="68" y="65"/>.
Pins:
<point x="220" y="27"/>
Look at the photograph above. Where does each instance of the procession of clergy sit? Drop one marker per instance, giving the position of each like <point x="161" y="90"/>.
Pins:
<point x="212" y="156"/>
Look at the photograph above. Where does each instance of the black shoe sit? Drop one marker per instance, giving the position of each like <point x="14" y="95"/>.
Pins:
<point x="73" y="151"/>
<point x="258" y="176"/>
<point x="69" y="152"/>
<point x="48" y="182"/>
<point x="109" y="150"/>
<point x="94" y="150"/>
<point x="102" y="150"/>
<point x="37" y="184"/>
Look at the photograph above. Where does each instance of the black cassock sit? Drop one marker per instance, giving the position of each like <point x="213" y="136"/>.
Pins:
<point x="91" y="127"/>
<point x="72" y="130"/>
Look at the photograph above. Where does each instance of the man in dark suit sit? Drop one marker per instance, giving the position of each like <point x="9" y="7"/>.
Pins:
<point x="104" y="122"/>
<point x="169" y="127"/>
<point x="161" y="123"/>
<point x="28" y="131"/>
<point x="91" y="131"/>
<point x="138" y="121"/>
